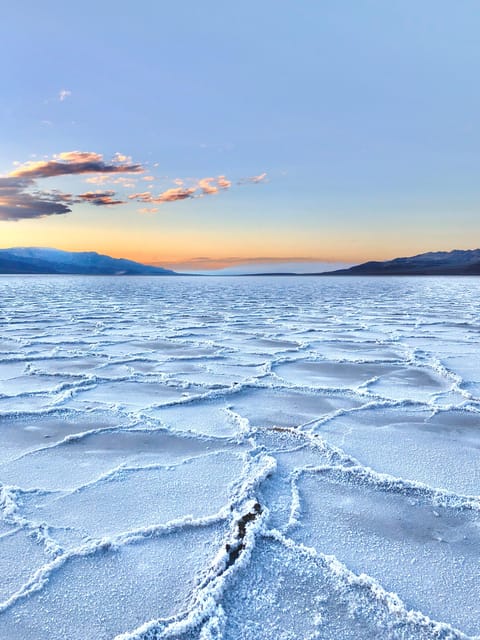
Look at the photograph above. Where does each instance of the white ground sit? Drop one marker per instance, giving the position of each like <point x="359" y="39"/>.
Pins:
<point x="239" y="458"/>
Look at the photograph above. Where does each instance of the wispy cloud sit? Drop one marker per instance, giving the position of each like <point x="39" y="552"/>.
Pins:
<point x="170" y="195"/>
<point x="223" y="182"/>
<point x="202" y="187"/>
<point x="121" y="157"/>
<point x="258" y="264"/>
<point x="63" y="94"/>
<point x="207" y="186"/>
<point x="108" y="178"/>
<point x="253" y="179"/>
<point x="99" y="198"/>
<point x="71" y="163"/>
<point x="148" y="210"/>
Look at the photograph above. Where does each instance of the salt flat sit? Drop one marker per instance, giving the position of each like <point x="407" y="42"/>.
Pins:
<point x="239" y="458"/>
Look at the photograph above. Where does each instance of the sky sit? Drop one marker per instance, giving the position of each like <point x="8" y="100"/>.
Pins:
<point x="226" y="136"/>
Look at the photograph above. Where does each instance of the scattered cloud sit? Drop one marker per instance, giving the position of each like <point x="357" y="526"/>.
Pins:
<point x="103" y="179"/>
<point x="16" y="203"/>
<point x="145" y="196"/>
<point x="20" y="196"/>
<point x="170" y="195"/>
<point x="205" y="184"/>
<point x="253" y="179"/>
<point x="99" y="198"/>
<point x="261" y="264"/>
<point x="235" y="260"/>
<point x="202" y="187"/>
<point x="63" y="94"/>
<point x="223" y="182"/>
<point x="73" y="163"/>
<point x="148" y="210"/>
<point x="120" y="157"/>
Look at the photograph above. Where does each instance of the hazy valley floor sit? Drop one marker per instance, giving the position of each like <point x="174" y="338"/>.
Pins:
<point x="239" y="458"/>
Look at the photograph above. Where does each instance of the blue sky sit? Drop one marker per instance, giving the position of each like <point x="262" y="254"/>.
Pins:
<point x="347" y="130"/>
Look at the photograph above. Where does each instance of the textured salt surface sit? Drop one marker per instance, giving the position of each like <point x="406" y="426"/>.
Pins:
<point x="239" y="458"/>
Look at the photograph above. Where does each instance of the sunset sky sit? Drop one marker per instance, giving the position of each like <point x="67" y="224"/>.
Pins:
<point x="205" y="135"/>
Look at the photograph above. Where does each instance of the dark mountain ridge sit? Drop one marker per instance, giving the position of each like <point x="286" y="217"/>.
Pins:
<point x="39" y="260"/>
<point x="438" y="263"/>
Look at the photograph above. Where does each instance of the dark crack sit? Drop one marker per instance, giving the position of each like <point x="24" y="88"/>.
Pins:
<point x="234" y="550"/>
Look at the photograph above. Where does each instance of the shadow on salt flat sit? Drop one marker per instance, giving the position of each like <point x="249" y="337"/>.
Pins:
<point x="336" y="375"/>
<point x="74" y="366"/>
<point x="208" y="417"/>
<point x="75" y="463"/>
<point x="350" y="350"/>
<point x="410" y="383"/>
<point x="20" y="434"/>
<point x="136" y="498"/>
<point x="272" y="407"/>
<point x="20" y="555"/>
<point x="289" y="595"/>
<point x="101" y="595"/>
<point x="413" y="445"/>
<point x="395" y="382"/>
<point x="31" y="384"/>
<point x="132" y="394"/>
<point x="428" y="555"/>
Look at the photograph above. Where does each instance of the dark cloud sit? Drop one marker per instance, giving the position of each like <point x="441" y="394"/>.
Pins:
<point x="19" y="200"/>
<point x="99" y="198"/>
<point x="73" y="163"/>
<point x="18" y="204"/>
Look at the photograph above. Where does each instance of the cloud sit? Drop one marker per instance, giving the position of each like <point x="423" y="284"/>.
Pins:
<point x="80" y="156"/>
<point x="145" y="196"/>
<point x="262" y="264"/>
<point x="170" y="195"/>
<point x="202" y="187"/>
<point x="126" y="183"/>
<point x="148" y="210"/>
<point x="223" y="182"/>
<point x="16" y="203"/>
<point x="205" y="184"/>
<point x="120" y="157"/>
<point x="63" y="94"/>
<point x="99" y="198"/>
<point x="253" y="179"/>
<point x="20" y="197"/>
<point x="73" y="163"/>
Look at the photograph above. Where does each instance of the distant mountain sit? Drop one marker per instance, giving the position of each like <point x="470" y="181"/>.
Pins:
<point x="439" y="263"/>
<point x="36" y="260"/>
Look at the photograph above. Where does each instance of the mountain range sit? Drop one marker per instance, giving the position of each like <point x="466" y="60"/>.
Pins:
<point x="35" y="260"/>
<point x="38" y="260"/>
<point x="438" y="263"/>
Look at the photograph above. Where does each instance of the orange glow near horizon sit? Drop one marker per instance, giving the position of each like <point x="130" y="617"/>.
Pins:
<point x="189" y="244"/>
<point x="209" y="251"/>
